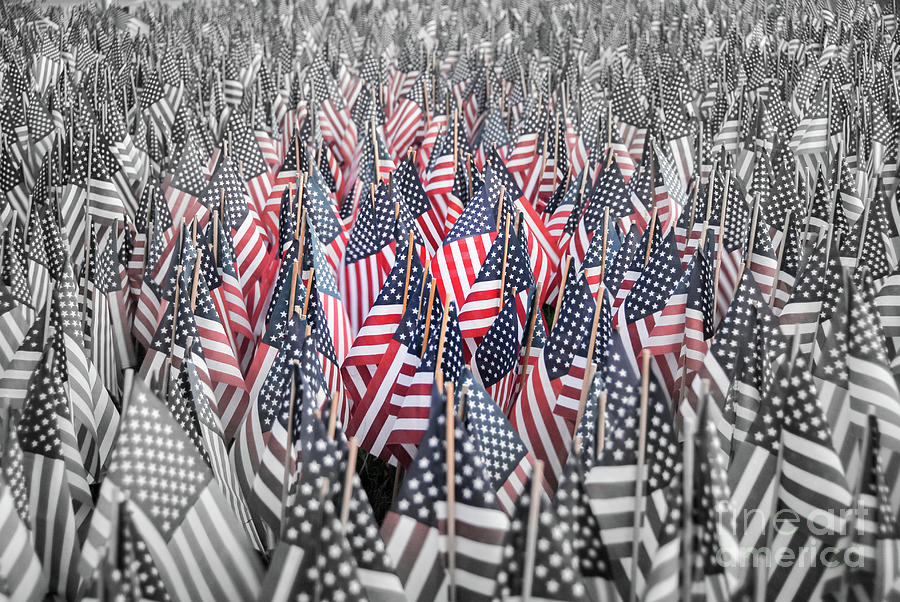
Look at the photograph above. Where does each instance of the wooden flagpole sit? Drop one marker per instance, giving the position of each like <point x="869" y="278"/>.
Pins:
<point x="687" y="490"/>
<point x="409" y="256"/>
<point x="605" y="242"/>
<point x="654" y="214"/>
<point x="503" y="267"/>
<point x="535" y="308"/>
<point x="289" y="449"/>
<point x="300" y="226"/>
<point x="348" y="481"/>
<point x="292" y="298"/>
<point x="638" y="522"/>
<point x="450" y="460"/>
<point x="438" y="373"/>
<point x="463" y="398"/>
<point x="600" y="430"/>
<point x="375" y="148"/>
<point x="196" y="281"/>
<point x="500" y="206"/>
<point x="719" y="242"/>
<point x="469" y="174"/>
<point x="781" y="250"/>
<point x="428" y="318"/>
<point x="332" y="415"/>
<point x="562" y="289"/>
<point x="590" y="368"/>
<point x="534" y="512"/>
<point x="309" y="281"/>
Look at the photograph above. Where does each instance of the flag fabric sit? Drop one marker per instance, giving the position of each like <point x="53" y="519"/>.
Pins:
<point x="508" y="462"/>
<point x="176" y="528"/>
<point x="20" y="566"/>
<point x="415" y="529"/>
<point x="556" y="571"/>
<point x="611" y="483"/>
<point x="59" y="499"/>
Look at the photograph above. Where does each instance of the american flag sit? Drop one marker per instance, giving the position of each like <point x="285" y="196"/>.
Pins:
<point x="369" y="256"/>
<point x="428" y="219"/>
<point x="496" y="360"/>
<point x="134" y="162"/>
<point x="132" y="572"/>
<point x="567" y="350"/>
<point x="301" y="563"/>
<point x="94" y="415"/>
<point x="401" y="289"/>
<point x="59" y="499"/>
<point x="152" y="213"/>
<point x="192" y="404"/>
<point x="245" y="152"/>
<point x="334" y="118"/>
<point x="16" y="318"/>
<point x="242" y="219"/>
<point x="871" y="387"/>
<point x="37" y="261"/>
<point x="508" y="462"/>
<point x="648" y="296"/>
<point x="330" y="324"/>
<point x="372" y="419"/>
<point x="821" y="212"/>
<point x="314" y="557"/>
<point x="611" y="483"/>
<point x="407" y="120"/>
<point x="810" y="139"/>
<point x="875" y="535"/>
<point x="546" y="434"/>
<point x="323" y="217"/>
<point x="22" y="360"/>
<point x="523" y="152"/>
<point x="580" y="527"/>
<point x="154" y="103"/>
<point x="486" y="299"/>
<point x="626" y="105"/>
<point x="434" y="355"/>
<point x="712" y="536"/>
<point x="542" y="251"/>
<point x="832" y="377"/>
<point x="814" y="296"/>
<point x="782" y="429"/>
<point x="739" y="364"/>
<point x="159" y="267"/>
<point x="260" y="447"/>
<point x="416" y="527"/>
<point x="12" y="182"/>
<point x="181" y="516"/>
<point x="187" y="185"/>
<point x="22" y="574"/>
<point x="685" y="324"/>
<point x="110" y="346"/>
<point x="377" y="569"/>
<point x="556" y="563"/>
<point x="235" y="308"/>
<point x="110" y="194"/>
<point x="466" y="246"/>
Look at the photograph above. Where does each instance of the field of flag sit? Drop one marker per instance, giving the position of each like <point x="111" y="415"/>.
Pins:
<point x="409" y="301"/>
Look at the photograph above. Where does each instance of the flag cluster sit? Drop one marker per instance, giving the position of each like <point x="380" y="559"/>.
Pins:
<point x="610" y="289"/>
